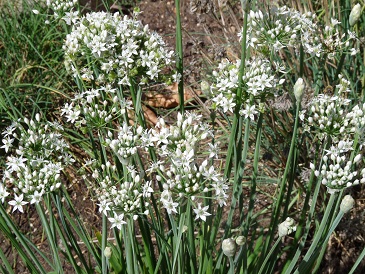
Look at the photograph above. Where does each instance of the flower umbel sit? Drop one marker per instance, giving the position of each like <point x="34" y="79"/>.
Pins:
<point x="119" y="48"/>
<point x="287" y="227"/>
<point x="34" y="165"/>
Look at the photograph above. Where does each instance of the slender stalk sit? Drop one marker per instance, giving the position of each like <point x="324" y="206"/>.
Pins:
<point x="50" y="235"/>
<point x="236" y="136"/>
<point x="31" y="261"/>
<point x="254" y="176"/>
<point x="136" y="99"/>
<point x="276" y="213"/>
<point x="304" y="265"/>
<point x="273" y="248"/>
<point x="235" y="140"/>
<point x="358" y="261"/>
<point x="334" y="221"/>
<point x="104" y="265"/>
<point x="180" y="56"/>
<point x="231" y="265"/>
<point x="5" y="262"/>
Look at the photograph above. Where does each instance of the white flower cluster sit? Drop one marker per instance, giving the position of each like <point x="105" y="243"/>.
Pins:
<point x="95" y="107"/>
<point x="334" y="41"/>
<point x="179" y="167"/>
<point x="328" y="112"/>
<point x="109" y="48"/>
<point x="355" y="120"/>
<point x="121" y="198"/>
<point x="61" y="7"/>
<point x="39" y="154"/>
<point x="332" y="119"/>
<point x="337" y="167"/>
<point x="126" y="144"/>
<point x="287" y="227"/>
<point x="287" y="28"/>
<point x="259" y="81"/>
<point x="282" y="27"/>
<point x="182" y="173"/>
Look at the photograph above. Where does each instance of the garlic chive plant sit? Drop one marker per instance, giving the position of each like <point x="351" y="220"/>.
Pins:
<point x="260" y="83"/>
<point x="37" y="155"/>
<point x="170" y="196"/>
<point x="111" y="49"/>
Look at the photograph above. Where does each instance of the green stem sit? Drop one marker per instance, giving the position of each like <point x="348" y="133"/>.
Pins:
<point x="19" y="242"/>
<point x="288" y="167"/>
<point x="358" y="261"/>
<point x="180" y="57"/>
<point x="231" y="265"/>
<point x="306" y="220"/>
<point x="254" y="177"/>
<point x="306" y="263"/>
<point x="50" y="235"/>
<point x="137" y="102"/>
<point x="236" y="136"/>
<point x="268" y="256"/>
<point x="5" y="262"/>
<point x="104" y="265"/>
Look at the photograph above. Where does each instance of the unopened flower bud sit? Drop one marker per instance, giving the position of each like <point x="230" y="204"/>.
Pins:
<point x="347" y="204"/>
<point x="355" y="14"/>
<point x="241" y="240"/>
<point x="357" y="158"/>
<point x="108" y="252"/>
<point x="205" y="87"/>
<point x="298" y="89"/>
<point x="287" y="227"/>
<point x="229" y="247"/>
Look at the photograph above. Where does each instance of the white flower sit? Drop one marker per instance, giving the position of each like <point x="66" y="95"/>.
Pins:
<point x="7" y="141"/>
<point x="15" y="163"/>
<point x="122" y="48"/>
<point x="71" y="17"/>
<point x="18" y="203"/>
<point x="170" y="206"/>
<point x="117" y="221"/>
<point x="36" y="197"/>
<point x="104" y="206"/>
<point x="3" y="193"/>
<point x="249" y="112"/>
<point x="353" y="51"/>
<point x="201" y="212"/>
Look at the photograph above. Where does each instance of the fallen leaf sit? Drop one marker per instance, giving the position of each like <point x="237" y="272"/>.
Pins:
<point x="168" y="97"/>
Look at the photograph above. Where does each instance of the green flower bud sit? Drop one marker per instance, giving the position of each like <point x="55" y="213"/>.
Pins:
<point x="355" y="14"/>
<point x="347" y="204"/>
<point x="205" y="87"/>
<point x="108" y="252"/>
<point x="298" y="89"/>
<point x="229" y="247"/>
<point x="241" y="240"/>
